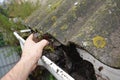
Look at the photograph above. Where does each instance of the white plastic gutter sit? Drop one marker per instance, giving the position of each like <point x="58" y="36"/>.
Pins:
<point x="56" y="71"/>
<point x="107" y="73"/>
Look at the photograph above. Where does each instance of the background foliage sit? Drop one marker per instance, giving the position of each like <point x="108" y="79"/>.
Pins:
<point x="18" y="11"/>
<point x="22" y="10"/>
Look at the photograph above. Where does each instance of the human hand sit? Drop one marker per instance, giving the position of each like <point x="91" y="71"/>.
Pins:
<point x="32" y="51"/>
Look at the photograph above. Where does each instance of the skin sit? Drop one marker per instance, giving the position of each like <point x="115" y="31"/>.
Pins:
<point x="32" y="51"/>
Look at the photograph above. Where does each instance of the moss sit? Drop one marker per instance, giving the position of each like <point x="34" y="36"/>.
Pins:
<point x="54" y="24"/>
<point x="74" y="8"/>
<point x="50" y="48"/>
<point x="54" y="18"/>
<point x="51" y="77"/>
<point x="64" y="27"/>
<point x="54" y="6"/>
<point x="8" y="27"/>
<point x="78" y="35"/>
<point x="54" y="34"/>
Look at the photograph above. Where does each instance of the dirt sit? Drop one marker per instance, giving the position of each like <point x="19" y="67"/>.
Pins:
<point x="67" y="57"/>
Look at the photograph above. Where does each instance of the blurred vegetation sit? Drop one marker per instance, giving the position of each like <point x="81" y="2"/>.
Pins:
<point x="14" y="10"/>
<point x="2" y="43"/>
<point x="22" y="10"/>
<point x="7" y="27"/>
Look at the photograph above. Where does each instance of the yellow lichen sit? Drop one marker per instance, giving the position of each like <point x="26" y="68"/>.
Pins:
<point x="54" y="34"/>
<point x="91" y="28"/>
<point x="64" y="27"/>
<point x="83" y="2"/>
<point x="54" y="6"/>
<point x="54" y="18"/>
<point x="99" y="42"/>
<point x="54" y="24"/>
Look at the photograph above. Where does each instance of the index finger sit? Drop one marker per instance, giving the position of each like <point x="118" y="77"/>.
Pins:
<point x="42" y="43"/>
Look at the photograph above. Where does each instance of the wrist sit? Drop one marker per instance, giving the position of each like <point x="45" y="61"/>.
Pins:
<point x="27" y="63"/>
<point x="20" y="71"/>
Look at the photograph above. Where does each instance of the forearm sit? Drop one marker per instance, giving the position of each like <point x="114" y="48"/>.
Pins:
<point x="20" y="71"/>
<point x="31" y="53"/>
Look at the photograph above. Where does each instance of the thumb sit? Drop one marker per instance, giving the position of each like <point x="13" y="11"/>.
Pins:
<point x="42" y="43"/>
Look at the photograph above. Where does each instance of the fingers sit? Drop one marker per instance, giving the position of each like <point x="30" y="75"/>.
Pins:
<point x="42" y="43"/>
<point x="30" y="37"/>
<point x="33" y="38"/>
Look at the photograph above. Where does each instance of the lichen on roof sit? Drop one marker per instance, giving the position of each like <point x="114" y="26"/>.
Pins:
<point x="91" y="24"/>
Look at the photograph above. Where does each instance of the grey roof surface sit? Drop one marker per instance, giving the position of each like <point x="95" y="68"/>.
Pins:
<point x="8" y="58"/>
<point x="92" y="24"/>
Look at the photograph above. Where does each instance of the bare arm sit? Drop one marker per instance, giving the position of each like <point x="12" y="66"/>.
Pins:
<point x="31" y="53"/>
